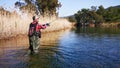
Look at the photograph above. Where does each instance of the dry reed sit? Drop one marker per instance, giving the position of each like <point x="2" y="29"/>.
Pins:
<point x="12" y="24"/>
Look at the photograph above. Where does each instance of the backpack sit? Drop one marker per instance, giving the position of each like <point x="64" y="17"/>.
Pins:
<point x="32" y="29"/>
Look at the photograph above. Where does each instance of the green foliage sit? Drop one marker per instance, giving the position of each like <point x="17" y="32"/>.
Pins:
<point x="97" y="16"/>
<point x="101" y="11"/>
<point x="87" y="16"/>
<point x="82" y="16"/>
<point x="71" y="19"/>
<point x="43" y="6"/>
<point x="111" y="14"/>
<point x="48" y="6"/>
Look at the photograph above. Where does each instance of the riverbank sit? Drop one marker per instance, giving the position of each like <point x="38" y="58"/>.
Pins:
<point x="111" y="25"/>
<point x="5" y="36"/>
<point x="14" y="24"/>
<point x="102" y="25"/>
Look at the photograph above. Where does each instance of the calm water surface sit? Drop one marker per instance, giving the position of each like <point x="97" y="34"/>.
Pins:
<point x="88" y="48"/>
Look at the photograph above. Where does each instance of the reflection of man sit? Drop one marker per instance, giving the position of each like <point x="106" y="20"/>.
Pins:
<point x="35" y="34"/>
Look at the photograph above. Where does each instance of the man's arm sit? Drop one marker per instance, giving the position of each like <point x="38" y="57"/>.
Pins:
<point x="41" y="26"/>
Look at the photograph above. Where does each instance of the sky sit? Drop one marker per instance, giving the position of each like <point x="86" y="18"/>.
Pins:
<point x="69" y="7"/>
<point x="7" y="4"/>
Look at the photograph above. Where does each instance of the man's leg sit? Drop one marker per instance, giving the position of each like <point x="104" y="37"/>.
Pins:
<point x="32" y="43"/>
<point x="37" y="43"/>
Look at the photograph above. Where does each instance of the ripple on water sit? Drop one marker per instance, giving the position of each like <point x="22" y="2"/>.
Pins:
<point x="72" y="50"/>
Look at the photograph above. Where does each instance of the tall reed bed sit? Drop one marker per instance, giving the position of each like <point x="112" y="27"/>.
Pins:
<point x="12" y="24"/>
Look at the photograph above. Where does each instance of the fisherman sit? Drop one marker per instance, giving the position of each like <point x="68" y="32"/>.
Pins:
<point x="34" y="34"/>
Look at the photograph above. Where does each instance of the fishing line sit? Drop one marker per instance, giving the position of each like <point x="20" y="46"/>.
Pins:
<point x="38" y="10"/>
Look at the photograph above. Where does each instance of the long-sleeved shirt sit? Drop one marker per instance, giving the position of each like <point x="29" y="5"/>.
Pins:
<point x="39" y="26"/>
<point x="34" y="26"/>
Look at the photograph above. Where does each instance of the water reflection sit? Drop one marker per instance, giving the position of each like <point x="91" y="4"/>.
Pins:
<point x="14" y="52"/>
<point x="66" y="49"/>
<point x="91" y="49"/>
<point x="97" y="30"/>
<point x="21" y="41"/>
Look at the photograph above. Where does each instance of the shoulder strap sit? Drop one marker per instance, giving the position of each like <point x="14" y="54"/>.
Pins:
<point x="33" y="25"/>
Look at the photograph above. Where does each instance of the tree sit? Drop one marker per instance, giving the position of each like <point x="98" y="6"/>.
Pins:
<point x="71" y="19"/>
<point x="98" y="16"/>
<point x="101" y="11"/>
<point x="43" y="6"/>
<point x="48" y="6"/>
<point x="87" y="16"/>
<point x="112" y="14"/>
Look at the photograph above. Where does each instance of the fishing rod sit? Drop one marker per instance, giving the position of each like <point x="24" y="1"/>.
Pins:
<point x="38" y="13"/>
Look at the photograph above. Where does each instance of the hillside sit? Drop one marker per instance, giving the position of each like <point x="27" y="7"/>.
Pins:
<point x="72" y="16"/>
<point x="118" y="6"/>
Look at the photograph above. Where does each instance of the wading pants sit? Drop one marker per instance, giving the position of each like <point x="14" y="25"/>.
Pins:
<point x="34" y="42"/>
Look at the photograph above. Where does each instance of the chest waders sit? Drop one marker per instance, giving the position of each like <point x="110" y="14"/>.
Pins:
<point x="34" y="38"/>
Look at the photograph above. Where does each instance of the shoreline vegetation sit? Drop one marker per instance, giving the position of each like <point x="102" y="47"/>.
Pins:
<point x="97" y="16"/>
<point x="13" y="24"/>
<point x="111" y="25"/>
<point x="16" y="23"/>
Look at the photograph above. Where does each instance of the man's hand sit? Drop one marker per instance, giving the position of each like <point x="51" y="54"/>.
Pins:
<point x="48" y="24"/>
<point x="43" y="25"/>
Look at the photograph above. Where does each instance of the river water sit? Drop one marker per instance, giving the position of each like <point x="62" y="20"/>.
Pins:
<point x="76" y="48"/>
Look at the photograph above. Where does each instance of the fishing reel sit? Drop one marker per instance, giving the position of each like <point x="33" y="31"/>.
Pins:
<point x="47" y="24"/>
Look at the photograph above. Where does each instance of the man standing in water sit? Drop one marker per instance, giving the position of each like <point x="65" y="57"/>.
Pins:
<point x="35" y="34"/>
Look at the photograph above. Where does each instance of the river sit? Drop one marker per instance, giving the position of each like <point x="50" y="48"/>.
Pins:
<point x="75" y="48"/>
